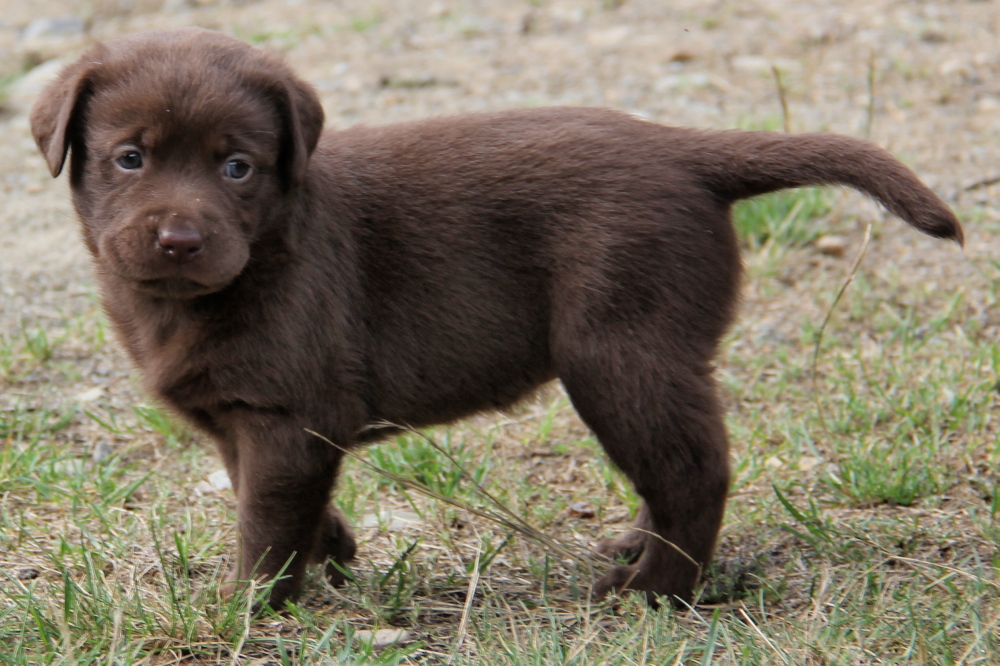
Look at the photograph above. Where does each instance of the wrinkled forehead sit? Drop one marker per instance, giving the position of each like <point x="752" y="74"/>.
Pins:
<point x="166" y="96"/>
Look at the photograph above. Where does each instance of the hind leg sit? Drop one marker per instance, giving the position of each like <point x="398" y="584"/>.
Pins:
<point x="660" y="423"/>
<point x="334" y="543"/>
<point x="629" y="546"/>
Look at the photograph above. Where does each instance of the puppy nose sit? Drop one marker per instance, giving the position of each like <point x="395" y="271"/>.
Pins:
<point x="180" y="245"/>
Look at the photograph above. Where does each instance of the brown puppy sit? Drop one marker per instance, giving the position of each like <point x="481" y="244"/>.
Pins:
<point x="267" y="279"/>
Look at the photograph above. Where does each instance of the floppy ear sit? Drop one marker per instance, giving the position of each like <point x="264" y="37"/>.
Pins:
<point x="302" y="117"/>
<point x="53" y="112"/>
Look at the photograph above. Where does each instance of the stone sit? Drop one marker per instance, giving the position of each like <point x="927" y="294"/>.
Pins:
<point x="382" y="637"/>
<point x="220" y="480"/>
<point x="831" y="246"/>
<point x="392" y="520"/>
<point x="54" y="27"/>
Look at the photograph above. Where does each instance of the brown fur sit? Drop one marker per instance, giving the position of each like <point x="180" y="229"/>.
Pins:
<point x="419" y="273"/>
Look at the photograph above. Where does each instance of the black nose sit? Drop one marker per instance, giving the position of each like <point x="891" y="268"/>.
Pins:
<point x="180" y="245"/>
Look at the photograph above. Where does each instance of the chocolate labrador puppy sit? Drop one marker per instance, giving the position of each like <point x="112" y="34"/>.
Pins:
<point x="268" y="278"/>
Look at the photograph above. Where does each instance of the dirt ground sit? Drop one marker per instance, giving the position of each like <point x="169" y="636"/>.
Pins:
<point x="920" y="78"/>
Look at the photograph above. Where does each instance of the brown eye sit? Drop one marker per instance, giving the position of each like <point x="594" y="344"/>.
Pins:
<point x="237" y="169"/>
<point x="130" y="160"/>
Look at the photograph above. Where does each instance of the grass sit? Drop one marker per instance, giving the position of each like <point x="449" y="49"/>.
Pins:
<point x="864" y="524"/>
<point x="791" y="218"/>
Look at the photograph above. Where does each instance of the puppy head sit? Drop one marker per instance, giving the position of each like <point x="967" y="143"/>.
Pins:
<point x="184" y="145"/>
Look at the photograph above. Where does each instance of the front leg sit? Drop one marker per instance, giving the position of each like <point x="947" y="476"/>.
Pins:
<point x="284" y="478"/>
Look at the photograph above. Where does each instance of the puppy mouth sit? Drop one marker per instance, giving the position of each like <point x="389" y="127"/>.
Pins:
<point x="179" y="288"/>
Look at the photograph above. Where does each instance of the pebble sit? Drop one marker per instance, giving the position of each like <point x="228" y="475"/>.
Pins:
<point x="69" y="467"/>
<point x="203" y="488"/>
<point x="382" y="637"/>
<point x="392" y="520"/>
<point x="807" y="463"/>
<point x="832" y="246"/>
<point x="763" y="65"/>
<point x="90" y="395"/>
<point x="683" y="81"/>
<point x="220" y="480"/>
<point x="101" y="451"/>
<point x="608" y="37"/>
<point x="54" y="27"/>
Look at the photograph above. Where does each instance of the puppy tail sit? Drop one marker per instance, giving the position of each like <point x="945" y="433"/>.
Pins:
<point x="745" y="164"/>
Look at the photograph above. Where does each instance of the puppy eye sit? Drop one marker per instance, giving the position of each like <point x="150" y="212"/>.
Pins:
<point x="130" y="160"/>
<point x="237" y="169"/>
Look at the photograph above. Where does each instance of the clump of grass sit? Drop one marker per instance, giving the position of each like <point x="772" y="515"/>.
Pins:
<point x="38" y="344"/>
<point x="885" y="475"/>
<point x="364" y="22"/>
<point x="31" y="348"/>
<point x="284" y="39"/>
<point x="163" y="423"/>
<point x="21" y="424"/>
<point x="437" y="467"/>
<point x="790" y="218"/>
